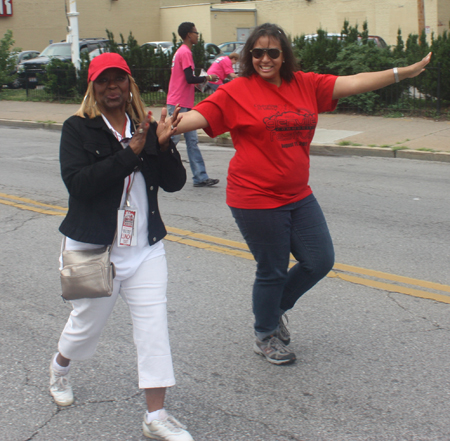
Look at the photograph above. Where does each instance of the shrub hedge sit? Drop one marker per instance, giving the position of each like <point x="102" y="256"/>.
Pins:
<point x="348" y="54"/>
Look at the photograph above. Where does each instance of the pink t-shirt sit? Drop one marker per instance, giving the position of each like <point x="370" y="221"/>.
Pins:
<point x="222" y="67"/>
<point x="180" y="91"/>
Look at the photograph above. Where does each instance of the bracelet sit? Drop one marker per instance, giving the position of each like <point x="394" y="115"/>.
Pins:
<point x="397" y="79"/>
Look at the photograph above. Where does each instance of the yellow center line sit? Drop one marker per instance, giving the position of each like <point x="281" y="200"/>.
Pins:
<point x="370" y="278"/>
<point x="7" y="199"/>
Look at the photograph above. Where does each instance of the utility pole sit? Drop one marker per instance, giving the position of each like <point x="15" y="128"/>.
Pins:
<point x="72" y="33"/>
<point x="421" y="15"/>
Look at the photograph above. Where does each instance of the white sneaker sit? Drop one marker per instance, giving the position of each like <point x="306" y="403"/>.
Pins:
<point x="166" y="428"/>
<point x="60" y="387"/>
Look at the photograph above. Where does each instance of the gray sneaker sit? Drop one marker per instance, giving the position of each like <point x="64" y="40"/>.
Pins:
<point x="60" y="388"/>
<point x="283" y="333"/>
<point x="207" y="183"/>
<point x="166" y="428"/>
<point x="274" y="350"/>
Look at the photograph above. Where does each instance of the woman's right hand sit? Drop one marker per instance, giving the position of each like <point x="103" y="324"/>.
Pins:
<point x="138" y="140"/>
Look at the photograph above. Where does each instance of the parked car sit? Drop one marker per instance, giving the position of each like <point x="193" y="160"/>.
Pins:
<point x="163" y="46"/>
<point x="29" y="71"/>
<point x="212" y="51"/>
<point x="18" y="58"/>
<point x="378" y="41"/>
<point x="102" y="50"/>
<point x="230" y="46"/>
<point x="375" y="38"/>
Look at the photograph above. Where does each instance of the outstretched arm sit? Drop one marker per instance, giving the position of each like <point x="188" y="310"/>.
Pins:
<point x="368" y="81"/>
<point x="177" y="124"/>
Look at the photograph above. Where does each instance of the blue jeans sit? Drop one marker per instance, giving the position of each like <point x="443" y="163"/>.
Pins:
<point x="213" y="86"/>
<point x="272" y="234"/>
<point x="194" y="154"/>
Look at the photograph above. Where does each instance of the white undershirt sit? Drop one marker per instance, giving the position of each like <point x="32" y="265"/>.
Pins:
<point x="128" y="259"/>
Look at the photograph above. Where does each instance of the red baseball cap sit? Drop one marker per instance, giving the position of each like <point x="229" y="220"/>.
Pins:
<point x="105" y="61"/>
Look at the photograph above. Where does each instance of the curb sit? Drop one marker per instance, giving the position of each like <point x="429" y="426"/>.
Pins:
<point x="336" y="150"/>
<point x="315" y="149"/>
<point x="30" y="124"/>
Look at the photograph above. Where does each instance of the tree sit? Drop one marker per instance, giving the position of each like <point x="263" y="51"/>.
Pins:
<point x="7" y="59"/>
<point x="440" y="47"/>
<point x="60" y="79"/>
<point x="198" y="53"/>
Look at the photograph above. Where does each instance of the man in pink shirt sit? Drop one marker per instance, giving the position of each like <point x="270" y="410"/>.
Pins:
<point x="181" y="91"/>
<point x="223" y="68"/>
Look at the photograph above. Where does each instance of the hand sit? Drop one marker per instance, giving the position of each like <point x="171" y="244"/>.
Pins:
<point x="140" y="135"/>
<point x="417" y="68"/>
<point x="214" y="78"/>
<point x="167" y="127"/>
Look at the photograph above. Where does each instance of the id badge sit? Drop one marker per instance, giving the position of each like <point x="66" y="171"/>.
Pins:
<point x="126" y="224"/>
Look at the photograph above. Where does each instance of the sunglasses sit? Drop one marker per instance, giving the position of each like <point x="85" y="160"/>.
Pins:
<point x="273" y="53"/>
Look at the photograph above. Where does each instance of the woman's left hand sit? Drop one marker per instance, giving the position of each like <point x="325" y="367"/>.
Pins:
<point x="167" y="127"/>
<point x="415" y="69"/>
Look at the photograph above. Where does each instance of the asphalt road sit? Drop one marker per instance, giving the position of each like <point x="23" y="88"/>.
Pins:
<point x="372" y="362"/>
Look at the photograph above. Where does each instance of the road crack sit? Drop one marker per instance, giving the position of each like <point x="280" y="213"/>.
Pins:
<point x="437" y="326"/>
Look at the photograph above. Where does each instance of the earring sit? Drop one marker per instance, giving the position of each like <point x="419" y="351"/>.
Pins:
<point x="131" y="98"/>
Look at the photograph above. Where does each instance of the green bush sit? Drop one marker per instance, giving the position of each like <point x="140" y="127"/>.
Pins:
<point x="352" y="53"/>
<point x="348" y="54"/>
<point x="316" y="55"/>
<point x="440" y="47"/>
<point x="81" y="82"/>
<point x="198" y="53"/>
<point x="7" y="59"/>
<point x="60" y="79"/>
<point x="150" y="70"/>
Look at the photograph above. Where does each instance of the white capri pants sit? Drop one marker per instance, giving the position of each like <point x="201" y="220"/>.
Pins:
<point x="145" y="295"/>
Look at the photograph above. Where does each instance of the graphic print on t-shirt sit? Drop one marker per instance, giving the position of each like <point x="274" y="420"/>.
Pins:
<point x="291" y="128"/>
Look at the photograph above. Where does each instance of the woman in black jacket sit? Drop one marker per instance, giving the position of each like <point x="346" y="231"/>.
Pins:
<point x="113" y="160"/>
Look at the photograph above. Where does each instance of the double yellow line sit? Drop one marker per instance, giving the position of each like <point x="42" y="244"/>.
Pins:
<point x="348" y="273"/>
<point x="353" y="274"/>
<point x="30" y="205"/>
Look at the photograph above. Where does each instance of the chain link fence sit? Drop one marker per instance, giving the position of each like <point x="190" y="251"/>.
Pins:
<point x="416" y="96"/>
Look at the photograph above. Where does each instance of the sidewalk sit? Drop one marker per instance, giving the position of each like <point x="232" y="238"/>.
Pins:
<point x="375" y="136"/>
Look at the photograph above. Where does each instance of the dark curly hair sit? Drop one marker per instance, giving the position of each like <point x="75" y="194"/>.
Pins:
<point x="185" y="28"/>
<point x="270" y="30"/>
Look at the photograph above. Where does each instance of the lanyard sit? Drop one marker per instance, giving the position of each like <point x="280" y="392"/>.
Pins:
<point x="129" y="185"/>
<point x="119" y="138"/>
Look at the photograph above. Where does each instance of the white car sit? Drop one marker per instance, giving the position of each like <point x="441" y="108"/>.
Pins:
<point x="379" y="42"/>
<point x="163" y="46"/>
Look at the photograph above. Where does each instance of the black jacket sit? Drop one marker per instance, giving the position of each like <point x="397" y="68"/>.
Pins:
<point x="94" y="166"/>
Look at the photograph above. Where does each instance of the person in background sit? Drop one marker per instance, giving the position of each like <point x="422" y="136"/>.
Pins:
<point x="271" y="112"/>
<point x="113" y="156"/>
<point x="223" y="68"/>
<point x="182" y="91"/>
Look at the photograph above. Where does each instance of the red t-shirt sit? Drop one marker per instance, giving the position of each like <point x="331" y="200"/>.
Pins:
<point x="271" y="128"/>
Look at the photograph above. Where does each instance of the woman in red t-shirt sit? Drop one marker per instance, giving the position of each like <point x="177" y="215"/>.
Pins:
<point x="271" y="113"/>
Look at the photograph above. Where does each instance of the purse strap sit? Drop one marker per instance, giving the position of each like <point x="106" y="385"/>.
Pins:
<point x="63" y="247"/>
<point x="109" y="247"/>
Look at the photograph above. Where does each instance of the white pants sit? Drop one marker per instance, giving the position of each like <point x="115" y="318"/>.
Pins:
<point x="145" y="295"/>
